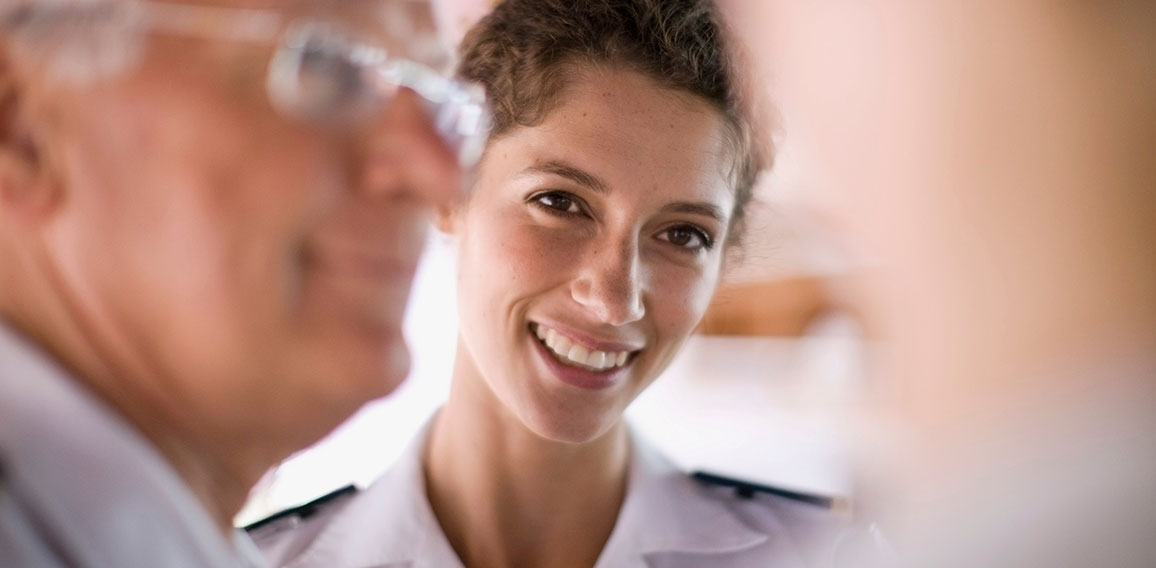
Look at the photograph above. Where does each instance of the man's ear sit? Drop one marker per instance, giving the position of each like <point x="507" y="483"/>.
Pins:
<point x="28" y="190"/>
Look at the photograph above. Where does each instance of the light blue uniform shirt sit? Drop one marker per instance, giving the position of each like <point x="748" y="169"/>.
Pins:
<point x="80" y="487"/>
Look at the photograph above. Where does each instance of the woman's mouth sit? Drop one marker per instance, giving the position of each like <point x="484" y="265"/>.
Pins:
<point x="573" y="354"/>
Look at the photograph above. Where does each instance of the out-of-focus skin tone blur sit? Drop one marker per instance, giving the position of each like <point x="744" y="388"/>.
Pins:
<point x="993" y="160"/>
<point x="232" y="281"/>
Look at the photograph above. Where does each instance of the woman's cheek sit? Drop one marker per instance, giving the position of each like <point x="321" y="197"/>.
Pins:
<point x="680" y="297"/>
<point x="542" y="251"/>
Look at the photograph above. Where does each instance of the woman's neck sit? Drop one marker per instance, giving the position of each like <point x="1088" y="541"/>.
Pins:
<point x="505" y="496"/>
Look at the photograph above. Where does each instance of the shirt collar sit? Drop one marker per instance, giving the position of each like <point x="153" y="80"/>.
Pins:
<point x="390" y="524"/>
<point x="97" y="485"/>
<point x="667" y="511"/>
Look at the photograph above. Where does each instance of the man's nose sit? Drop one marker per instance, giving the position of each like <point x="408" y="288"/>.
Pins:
<point x="609" y="284"/>
<point x="405" y="157"/>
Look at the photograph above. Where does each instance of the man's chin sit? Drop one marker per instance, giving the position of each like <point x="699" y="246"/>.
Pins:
<point x="355" y="367"/>
<point x="379" y="367"/>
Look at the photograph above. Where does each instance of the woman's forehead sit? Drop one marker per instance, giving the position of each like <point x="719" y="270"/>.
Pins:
<point x="630" y="119"/>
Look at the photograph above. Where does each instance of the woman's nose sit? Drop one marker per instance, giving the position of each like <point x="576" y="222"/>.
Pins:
<point x="610" y="286"/>
<point x="404" y="157"/>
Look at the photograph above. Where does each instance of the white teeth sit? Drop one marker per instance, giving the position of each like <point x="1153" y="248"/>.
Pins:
<point x="579" y="355"/>
<point x="561" y="344"/>
<point x="597" y="359"/>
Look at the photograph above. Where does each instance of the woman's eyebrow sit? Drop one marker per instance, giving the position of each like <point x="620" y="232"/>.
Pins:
<point x="698" y="208"/>
<point x="584" y="178"/>
<point x="570" y="172"/>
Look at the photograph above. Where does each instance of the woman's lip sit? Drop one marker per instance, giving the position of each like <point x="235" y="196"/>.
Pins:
<point x="580" y="378"/>
<point x="585" y="340"/>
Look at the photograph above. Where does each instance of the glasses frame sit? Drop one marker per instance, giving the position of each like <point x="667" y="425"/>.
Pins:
<point x="62" y="29"/>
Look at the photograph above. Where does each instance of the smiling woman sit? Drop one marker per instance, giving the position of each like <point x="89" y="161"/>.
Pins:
<point x="613" y="184"/>
<point x="597" y="227"/>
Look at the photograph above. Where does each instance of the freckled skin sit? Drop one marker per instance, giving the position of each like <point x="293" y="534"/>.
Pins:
<point x="519" y="264"/>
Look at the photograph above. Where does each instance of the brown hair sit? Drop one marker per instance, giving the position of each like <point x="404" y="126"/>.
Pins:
<point x="525" y="51"/>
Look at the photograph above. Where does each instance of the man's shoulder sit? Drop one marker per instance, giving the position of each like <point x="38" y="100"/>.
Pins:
<point x="4" y="495"/>
<point x="23" y="542"/>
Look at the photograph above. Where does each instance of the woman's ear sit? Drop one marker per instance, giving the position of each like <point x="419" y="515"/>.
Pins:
<point x="28" y="190"/>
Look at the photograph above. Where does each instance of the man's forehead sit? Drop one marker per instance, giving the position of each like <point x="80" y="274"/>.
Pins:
<point x="366" y="15"/>
<point x="405" y="27"/>
<point x="309" y="6"/>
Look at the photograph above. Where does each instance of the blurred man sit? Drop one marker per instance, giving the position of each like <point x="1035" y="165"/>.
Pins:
<point x="994" y="162"/>
<point x="210" y="215"/>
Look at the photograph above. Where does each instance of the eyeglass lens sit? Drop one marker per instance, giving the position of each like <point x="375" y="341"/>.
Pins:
<point x="321" y="75"/>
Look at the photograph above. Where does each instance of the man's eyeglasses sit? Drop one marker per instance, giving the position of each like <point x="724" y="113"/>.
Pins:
<point x="319" y="72"/>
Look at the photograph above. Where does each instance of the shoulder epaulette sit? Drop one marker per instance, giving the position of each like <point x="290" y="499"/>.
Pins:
<point x="305" y="511"/>
<point x="747" y="490"/>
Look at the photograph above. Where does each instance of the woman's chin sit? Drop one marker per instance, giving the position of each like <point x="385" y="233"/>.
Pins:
<point x="568" y="427"/>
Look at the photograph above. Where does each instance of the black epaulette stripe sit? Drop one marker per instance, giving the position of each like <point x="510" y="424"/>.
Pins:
<point x="748" y="490"/>
<point x="303" y="511"/>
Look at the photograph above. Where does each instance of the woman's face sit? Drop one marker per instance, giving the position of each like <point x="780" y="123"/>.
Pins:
<point x="590" y="251"/>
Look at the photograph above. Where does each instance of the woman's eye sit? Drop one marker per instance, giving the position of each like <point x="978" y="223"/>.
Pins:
<point x="558" y="201"/>
<point x="687" y="237"/>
